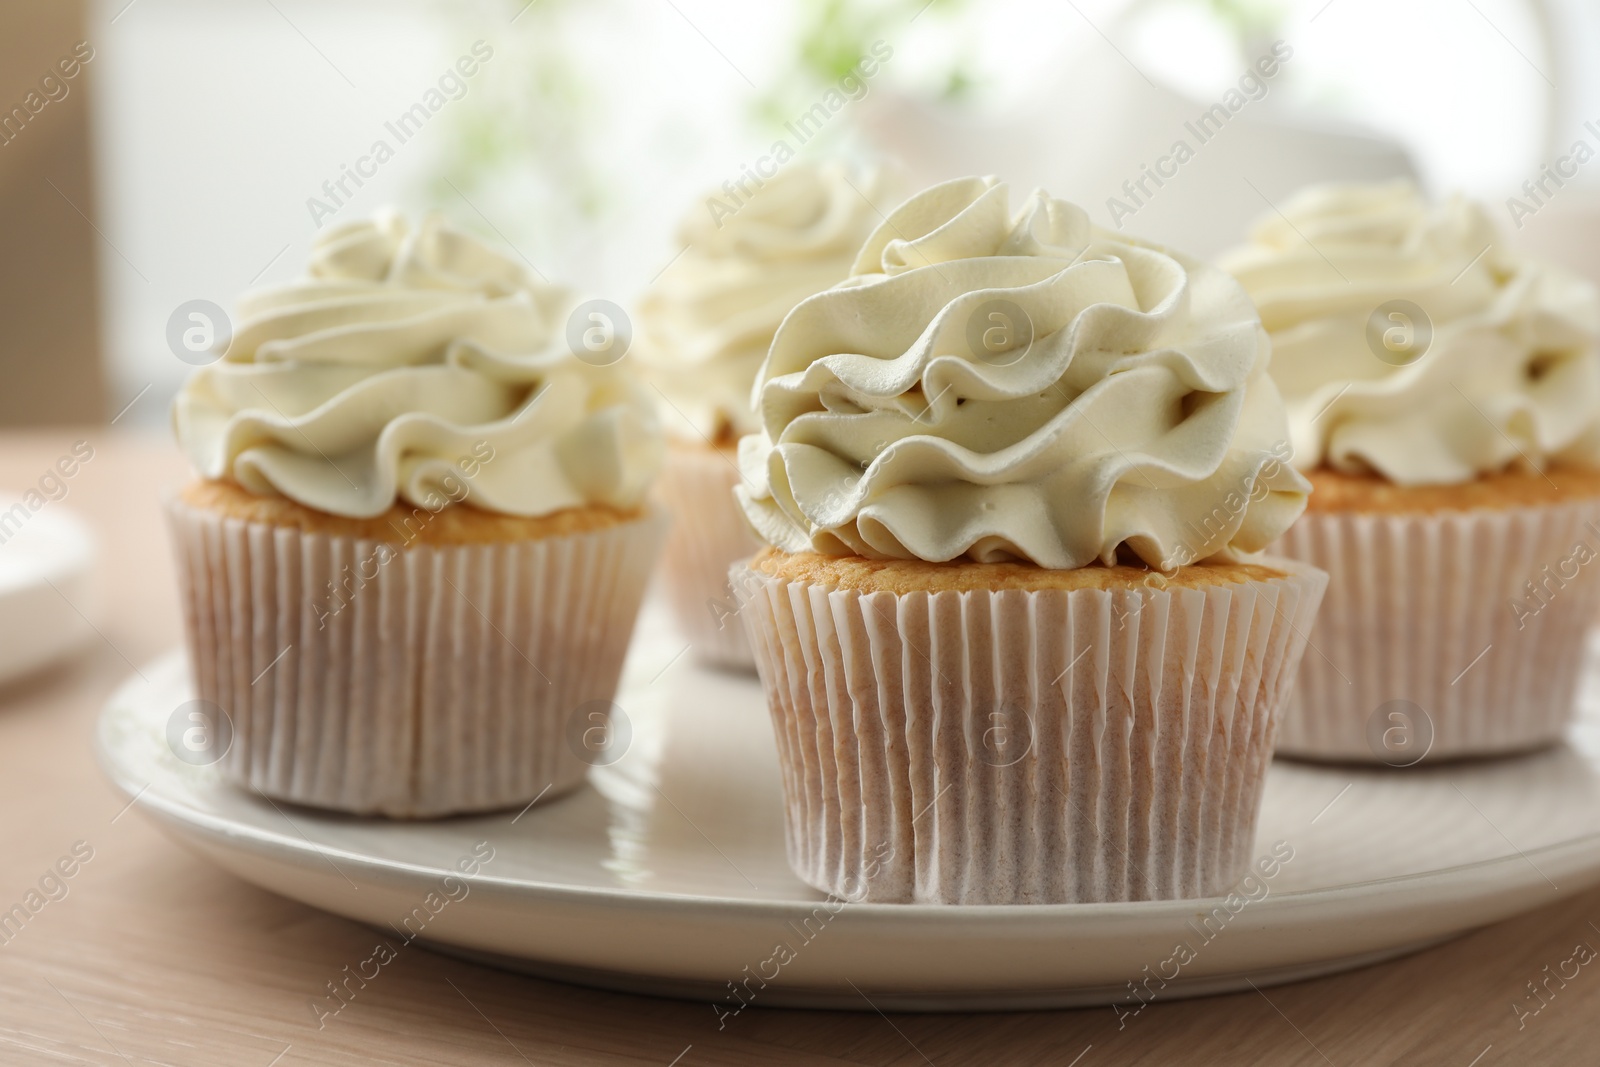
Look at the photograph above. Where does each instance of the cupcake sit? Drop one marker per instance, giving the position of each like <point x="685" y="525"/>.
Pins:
<point x="419" y="539"/>
<point x="1007" y="655"/>
<point x="1443" y="398"/>
<point x="703" y="330"/>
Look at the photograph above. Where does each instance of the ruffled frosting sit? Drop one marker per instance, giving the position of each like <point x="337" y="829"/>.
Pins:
<point x="1510" y="376"/>
<point x="1135" y="414"/>
<point x="705" y="325"/>
<point x="390" y="372"/>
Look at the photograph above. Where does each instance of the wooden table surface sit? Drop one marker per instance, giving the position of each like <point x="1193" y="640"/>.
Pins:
<point x="155" y="956"/>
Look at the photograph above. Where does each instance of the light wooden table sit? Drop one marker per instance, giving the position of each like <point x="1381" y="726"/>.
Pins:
<point x="155" y="956"/>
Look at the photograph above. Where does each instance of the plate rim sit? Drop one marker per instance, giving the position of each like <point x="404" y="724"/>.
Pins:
<point x="275" y="845"/>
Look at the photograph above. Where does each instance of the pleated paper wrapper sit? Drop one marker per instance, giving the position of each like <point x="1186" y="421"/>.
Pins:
<point x="708" y="535"/>
<point x="1025" y="747"/>
<point x="1420" y="651"/>
<point x="458" y="678"/>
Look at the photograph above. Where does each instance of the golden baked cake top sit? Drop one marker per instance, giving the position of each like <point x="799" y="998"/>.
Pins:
<point x="1336" y="491"/>
<point x="403" y="524"/>
<point x="900" y="576"/>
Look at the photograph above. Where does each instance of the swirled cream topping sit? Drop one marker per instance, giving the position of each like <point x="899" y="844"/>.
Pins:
<point x="1408" y="342"/>
<point x="706" y="324"/>
<point x="994" y="386"/>
<point x="403" y="360"/>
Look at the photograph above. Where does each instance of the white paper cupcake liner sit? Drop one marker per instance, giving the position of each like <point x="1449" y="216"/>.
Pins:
<point x="1419" y="631"/>
<point x="1025" y="747"/>
<point x="708" y="535"/>
<point x="443" y="680"/>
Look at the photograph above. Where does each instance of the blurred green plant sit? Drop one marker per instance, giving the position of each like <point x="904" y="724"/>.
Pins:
<point x="834" y="36"/>
<point x="1248" y="17"/>
<point x="532" y="119"/>
<point x="1251" y="23"/>
<point x="533" y="125"/>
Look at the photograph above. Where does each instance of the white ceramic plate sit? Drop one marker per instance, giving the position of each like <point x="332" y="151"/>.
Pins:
<point x="45" y="595"/>
<point x="668" y="876"/>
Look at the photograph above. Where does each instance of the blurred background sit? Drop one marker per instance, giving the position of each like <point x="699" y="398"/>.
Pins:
<point x="197" y="145"/>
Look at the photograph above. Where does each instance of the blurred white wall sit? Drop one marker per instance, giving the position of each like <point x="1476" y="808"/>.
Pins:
<point x="217" y="119"/>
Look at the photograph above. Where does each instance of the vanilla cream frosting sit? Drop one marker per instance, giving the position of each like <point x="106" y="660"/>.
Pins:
<point x="406" y="359"/>
<point x="1119" y="401"/>
<point x="705" y="325"/>
<point x="1499" y="370"/>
